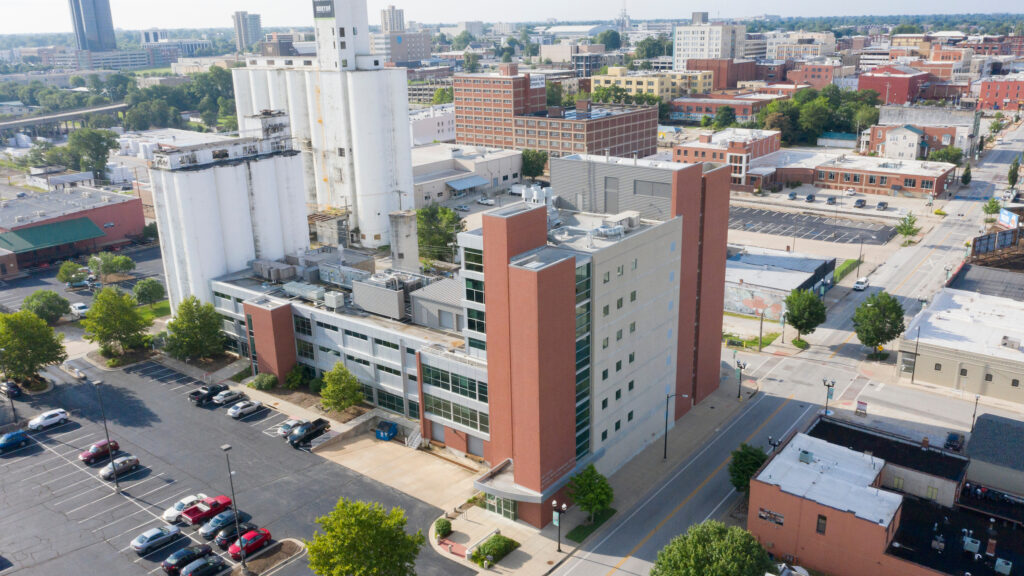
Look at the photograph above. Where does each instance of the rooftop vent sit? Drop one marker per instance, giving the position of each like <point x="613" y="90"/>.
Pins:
<point x="807" y="457"/>
<point x="1010" y="342"/>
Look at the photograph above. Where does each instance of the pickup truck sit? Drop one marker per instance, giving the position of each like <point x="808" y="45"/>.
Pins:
<point x="308" y="432"/>
<point x="206" y="394"/>
<point x="205" y="509"/>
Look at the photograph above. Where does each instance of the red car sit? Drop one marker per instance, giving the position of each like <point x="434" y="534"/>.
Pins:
<point x="99" y="451"/>
<point x="251" y="543"/>
<point x="205" y="510"/>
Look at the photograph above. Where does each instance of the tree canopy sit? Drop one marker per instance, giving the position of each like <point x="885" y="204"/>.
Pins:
<point x="809" y="113"/>
<point x="591" y="491"/>
<point x="805" y="312"/>
<point x="443" y="96"/>
<point x="652" y="47"/>
<point x="950" y="154"/>
<point x="47" y="304"/>
<point x="907" y="226"/>
<point x="340" y="390"/>
<point x="965" y="178"/>
<point x="878" y="319"/>
<point x="194" y="332"/>
<point x="712" y="549"/>
<point x="108" y="263"/>
<point x="533" y="163"/>
<point x="28" y="344"/>
<point x="746" y="460"/>
<point x="362" y="539"/>
<point x="71" y="272"/>
<point x="725" y="117"/>
<point x="436" y="228"/>
<point x="611" y="40"/>
<point x="114" y="321"/>
<point x="148" y="291"/>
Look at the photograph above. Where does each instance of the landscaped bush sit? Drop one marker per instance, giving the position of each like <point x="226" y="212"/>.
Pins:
<point x="497" y="547"/>
<point x="442" y="527"/>
<point x="843" y="269"/>
<point x="315" y="385"/>
<point x="263" y="382"/>
<point x="801" y="344"/>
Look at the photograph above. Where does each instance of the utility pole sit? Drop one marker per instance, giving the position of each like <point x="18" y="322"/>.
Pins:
<point x="106" y="432"/>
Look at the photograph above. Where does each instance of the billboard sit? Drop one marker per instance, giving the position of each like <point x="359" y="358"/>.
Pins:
<point x="323" y="9"/>
<point x="1008" y="219"/>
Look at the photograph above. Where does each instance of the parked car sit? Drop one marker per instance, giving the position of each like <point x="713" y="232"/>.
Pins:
<point x="286" y="427"/>
<point x="831" y="200"/>
<point x="173" y="514"/>
<point x="98" y="451"/>
<point x="250" y="543"/>
<point x="121" y="465"/>
<point x="850" y="192"/>
<point x="13" y="440"/>
<point x="205" y="509"/>
<point x="882" y="206"/>
<point x="860" y="203"/>
<point x="461" y="208"/>
<point x="206" y="393"/>
<point x="954" y="441"/>
<point x="861" y="284"/>
<point x="227" y="397"/>
<point x="10" y="389"/>
<point x="229" y="533"/>
<point x="308" y="432"/>
<point x="154" y="538"/>
<point x="809" y="198"/>
<point x="792" y="195"/>
<point x="175" y="562"/>
<point x="79" y="309"/>
<point x="485" y="201"/>
<point x="205" y="566"/>
<point x="245" y="408"/>
<point x="47" y="419"/>
<point x="80" y="285"/>
<point x="219" y="522"/>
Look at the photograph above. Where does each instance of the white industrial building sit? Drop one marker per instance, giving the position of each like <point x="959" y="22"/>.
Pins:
<point x="446" y="171"/>
<point x="350" y="119"/>
<point x="222" y="204"/>
<point x="434" y="124"/>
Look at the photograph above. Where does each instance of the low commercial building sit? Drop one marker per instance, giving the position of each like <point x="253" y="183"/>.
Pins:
<point x="818" y="74"/>
<point x="1002" y="93"/>
<point x="563" y="53"/>
<point x="908" y="142"/>
<point x="728" y="72"/>
<point x="445" y="171"/>
<point x="664" y="85"/>
<point x="757" y="281"/>
<point x="966" y="122"/>
<point x="746" y="106"/>
<point x="434" y="124"/>
<point x="894" y="84"/>
<point x="733" y="146"/>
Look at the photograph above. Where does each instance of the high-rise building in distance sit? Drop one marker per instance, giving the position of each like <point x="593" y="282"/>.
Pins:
<point x="704" y="40"/>
<point x="93" y="24"/>
<point x="392" y="20"/>
<point x="248" y="30"/>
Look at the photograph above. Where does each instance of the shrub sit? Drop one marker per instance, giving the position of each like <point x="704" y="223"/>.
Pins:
<point x="114" y="363"/>
<point x="801" y="344"/>
<point x="107" y="351"/>
<point x="295" y="378"/>
<point x="263" y="382"/>
<point x="442" y="527"/>
<point x="315" y="385"/>
<point x="497" y="547"/>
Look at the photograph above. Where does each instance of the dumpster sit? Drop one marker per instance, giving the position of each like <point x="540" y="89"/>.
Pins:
<point x="386" y="430"/>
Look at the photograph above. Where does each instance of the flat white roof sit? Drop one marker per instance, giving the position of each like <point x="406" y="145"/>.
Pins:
<point x="841" y="159"/>
<point x="176" y="137"/>
<point x="794" y="158"/>
<point x="431" y="153"/>
<point x="649" y="162"/>
<point x="721" y="139"/>
<point x="972" y="322"/>
<point x="836" y="477"/>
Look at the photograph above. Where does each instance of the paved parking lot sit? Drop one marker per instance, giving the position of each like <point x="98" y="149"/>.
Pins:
<point x="61" y="518"/>
<point x="808" y="226"/>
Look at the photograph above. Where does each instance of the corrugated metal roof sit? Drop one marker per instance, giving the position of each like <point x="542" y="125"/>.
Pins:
<point x="447" y="291"/>
<point x="49" y="235"/>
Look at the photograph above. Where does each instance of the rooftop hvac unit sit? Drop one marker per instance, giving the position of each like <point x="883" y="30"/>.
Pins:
<point x="1003" y="566"/>
<point x="807" y="457"/>
<point x="972" y="545"/>
<point x="334" y="299"/>
<point x="1011" y="342"/>
<point x="304" y="291"/>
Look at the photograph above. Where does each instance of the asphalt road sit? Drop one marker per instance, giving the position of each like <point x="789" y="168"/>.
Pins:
<point x="148" y="264"/>
<point x="808" y="226"/>
<point x="59" y="518"/>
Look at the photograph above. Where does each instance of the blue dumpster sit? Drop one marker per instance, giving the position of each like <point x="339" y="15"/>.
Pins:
<point x="386" y="430"/>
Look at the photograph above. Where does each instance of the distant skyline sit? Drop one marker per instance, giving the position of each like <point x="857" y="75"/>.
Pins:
<point x="34" y="16"/>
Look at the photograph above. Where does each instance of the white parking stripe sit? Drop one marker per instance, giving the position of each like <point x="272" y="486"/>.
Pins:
<point x="262" y="411"/>
<point x="163" y="500"/>
<point x="47" y="471"/>
<point x="72" y="497"/>
<point x="61" y="477"/>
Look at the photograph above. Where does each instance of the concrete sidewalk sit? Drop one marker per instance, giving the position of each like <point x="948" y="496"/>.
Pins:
<point x="538" y="553"/>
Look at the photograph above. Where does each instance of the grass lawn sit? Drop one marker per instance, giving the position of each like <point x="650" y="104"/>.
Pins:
<point x="843" y="269"/>
<point x="158" y="310"/>
<point x="242" y="375"/>
<point x="580" y="533"/>
<point x="752" y="342"/>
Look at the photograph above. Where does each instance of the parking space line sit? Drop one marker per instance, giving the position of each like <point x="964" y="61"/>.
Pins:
<point x="130" y="499"/>
<point x="61" y="477"/>
<point x="262" y="411"/>
<point x="47" y="471"/>
<point x="69" y="498"/>
<point x="164" y="500"/>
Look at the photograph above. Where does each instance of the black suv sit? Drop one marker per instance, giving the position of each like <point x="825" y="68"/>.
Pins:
<point x="206" y="394"/>
<point x="308" y="432"/>
<point x="10" y="389"/>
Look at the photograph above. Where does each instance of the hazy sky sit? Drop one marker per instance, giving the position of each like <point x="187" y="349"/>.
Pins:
<point x="22" y="16"/>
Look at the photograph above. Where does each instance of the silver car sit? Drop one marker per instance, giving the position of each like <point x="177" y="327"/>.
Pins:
<point x="286" y="427"/>
<point x="154" y="538"/>
<point x="122" y="465"/>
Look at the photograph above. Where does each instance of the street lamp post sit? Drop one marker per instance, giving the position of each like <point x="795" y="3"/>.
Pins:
<point x="14" y="413"/>
<point x="106" y="432"/>
<point x="760" y="331"/>
<point x="829" y="385"/>
<point x="774" y="443"/>
<point x="740" y="366"/>
<point x="917" y="345"/>
<point x="234" y="505"/>
<point x="860" y="254"/>
<point x="974" y="418"/>
<point x="558" y="511"/>
<point x="664" y="455"/>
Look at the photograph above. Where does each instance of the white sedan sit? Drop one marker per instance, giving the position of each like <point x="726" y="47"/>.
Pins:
<point x="227" y="397"/>
<point x="173" y="514"/>
<point x="244" y="408"/>
<point x="47" y="419"/>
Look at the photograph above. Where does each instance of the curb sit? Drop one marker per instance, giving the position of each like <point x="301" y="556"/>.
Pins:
<point x="301" y="552"/>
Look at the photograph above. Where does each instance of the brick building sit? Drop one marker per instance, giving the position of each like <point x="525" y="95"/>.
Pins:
<point x="733" y="146"/>
<point x="818" y="75"/>
<point x="590" y="128"/>
<point x="909" y="142"/>
<point x="746" y="106"/>
<point x="1002" y="93"/>
<point x="728" y="72"/>
<point x="665" y="85"/>
<point x="894" y="84"/>
<point x="485" y="105"/>
<point x="773" y="71"/>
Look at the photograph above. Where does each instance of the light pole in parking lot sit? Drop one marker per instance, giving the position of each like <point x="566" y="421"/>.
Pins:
<point x="234" y="506"/>
<point x="106" y="432"/>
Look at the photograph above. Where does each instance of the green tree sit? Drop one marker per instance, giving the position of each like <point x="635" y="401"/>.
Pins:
<point x="611" y="40"/>
<point x="471" y="62"/>
<point x="76" y="82"/>
<point x="908" y="29"/>
<point x="712" y="549"/>
<point x="951" y="154"/>
<point x="149" y="291"/>
<point x="652" y="47"/>
<point x="554" y="93"/>
<point x="28" y="344"/>
<point x="114" y="321"/>
<point x="107" y="263"/>
<point x="437" y="227"/>
<point x="1013" y="173"/>
<point x="865" y="117"/>
<point x="230" y="124"/>
<point x="195" y="331"/>
<point x="533" y="163"/>
<point x="706" y="121"/>
<point x="992" y="207"/>
<point x="725" y="117"/>
<point x="463" y="40"/>
<point x="91" y="148"/>
<point x="362" y="539"/>
<point x="46" y="304"/>
<point x="591" y="491"/>
<point x="443" y="96"/>
<point x="341" y="390"/>
<point x="907" y="226"/>
<point x="965" y="178"/>
<point x="746" y="460"/>
<point x="71" y="272"/>
<point x="150" y="231"/>
<point x="813" y="118"/>
<point x="805" y="312"/>
<point x="878" y="319"/>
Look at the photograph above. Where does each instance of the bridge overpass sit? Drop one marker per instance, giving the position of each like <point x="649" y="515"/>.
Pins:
<point x="59" y="117"/>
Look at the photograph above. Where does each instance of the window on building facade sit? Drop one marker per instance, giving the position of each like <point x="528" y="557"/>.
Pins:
<point x="474" y="290"/>
<point x="476" y="320"/>
<point x="304" y="349"/>
<point x="473" y="259"/>
<point x="618" y="304"/>
<point x="386" y="344"/>
<point x="605" y="310"/>
<point x="632" y="296"/>
<point x="303" y="326"/>
<point x="909" y="183"/>
<point x="632" y="327"/>
<point x="822" y="524"/>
